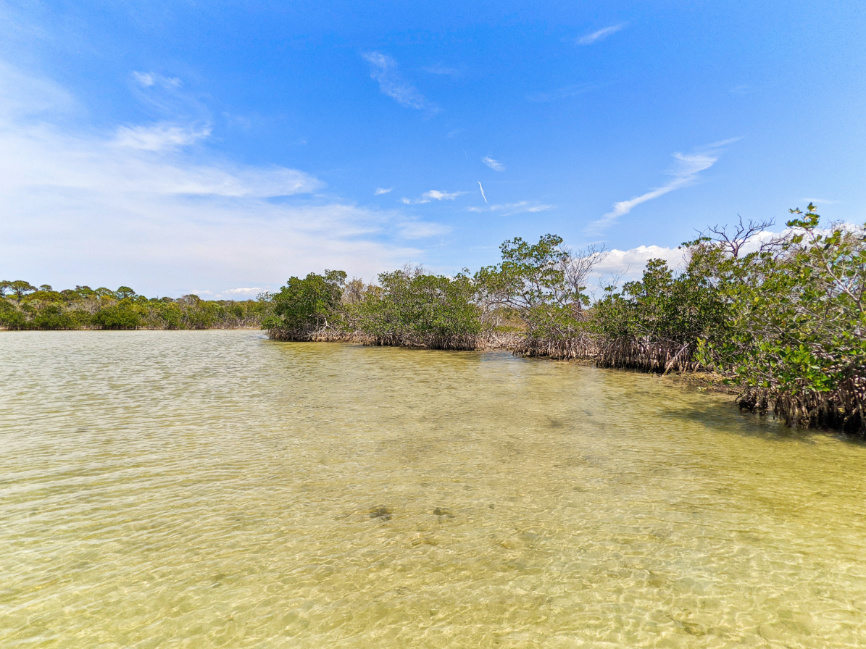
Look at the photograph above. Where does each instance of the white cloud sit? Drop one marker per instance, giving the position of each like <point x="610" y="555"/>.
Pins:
<point x="382" y="190"/>
<point x="24" y="95"/>
<point x="421" y="229"/>
<point x="632" y="262"/>
<point x="819" y="201"/>
<point x="234" y="293"/>
<point x="40" y="158"/>
<point x="619" y="266"/>
<point x="442" y="196"/>
<point x="160" y="137"/>
<point x="144" y="79"/>
<point x="432" y="195"/>
<point x="169" y="99"/>
<point x="493" y="164"/>
<point x="384" y="70"/>
<point x="132" y="207"/>
<point x="240" y="293"/>
<point x="150" y="79"/>
<point x="507" y="209"/>
<point x="483" y="195"/>
<point x="685" y="171"/>
<point x="599" y="35"/>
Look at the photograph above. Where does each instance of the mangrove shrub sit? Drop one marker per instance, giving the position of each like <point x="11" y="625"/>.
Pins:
<point x="411" y="308"/>
<point x="795" y="325"/>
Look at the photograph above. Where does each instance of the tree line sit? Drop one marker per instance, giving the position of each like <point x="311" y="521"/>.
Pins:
<point x="782" y="320"/>
<point x="24" y="306"/>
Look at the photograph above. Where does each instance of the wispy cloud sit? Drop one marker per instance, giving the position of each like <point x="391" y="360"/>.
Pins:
<point x="383" y="69"/>
<point x="135" y="207"/>
<point x="432" y="195"/>
<point x="493" y="164"/>
<point x="160" y="137"/>
<point x="600" y="35"/>
<point x="244" y="292"/>
<point x="820" y="201"/>
<point x="383" y="190"/>
<point x="150" y="79"/>
<point x="23" y="95"/>
<point x="442" y="196"/>
<point x="421" y="229"/>
<point x="507" y="209"/>
<point x="687" y="167"/>
<point x="168" y="98"/>
<point x="483" y="195"/>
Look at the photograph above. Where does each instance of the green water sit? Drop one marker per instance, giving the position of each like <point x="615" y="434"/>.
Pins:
<point x="216" y="489"/>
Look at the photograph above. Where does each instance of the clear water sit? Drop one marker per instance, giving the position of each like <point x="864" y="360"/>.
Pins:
<point x="216" y="489"/>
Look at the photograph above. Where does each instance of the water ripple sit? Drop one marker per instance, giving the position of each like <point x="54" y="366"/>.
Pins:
<point x="216" y="489"/>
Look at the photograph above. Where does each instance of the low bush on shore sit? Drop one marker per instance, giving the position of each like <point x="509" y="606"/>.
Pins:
<point x="782" y="320"/>
<point x="24" y="306"/>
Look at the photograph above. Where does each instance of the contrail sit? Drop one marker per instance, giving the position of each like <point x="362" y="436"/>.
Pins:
<point x="482" y="191"/>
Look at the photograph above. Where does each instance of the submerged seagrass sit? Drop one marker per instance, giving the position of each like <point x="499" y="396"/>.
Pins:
<point x="218" y="489"/>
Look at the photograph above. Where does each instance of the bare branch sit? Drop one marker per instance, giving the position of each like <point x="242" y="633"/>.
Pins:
<point x="578" y="265"/>
<point x="733" y="242"/>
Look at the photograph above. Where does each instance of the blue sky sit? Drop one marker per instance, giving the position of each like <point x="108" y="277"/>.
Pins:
<point x="220" y="147"/>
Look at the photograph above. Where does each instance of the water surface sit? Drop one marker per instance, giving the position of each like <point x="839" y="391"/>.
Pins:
<point x="216" y="489"/>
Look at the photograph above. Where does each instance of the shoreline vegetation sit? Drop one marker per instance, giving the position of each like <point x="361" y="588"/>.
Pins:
<point x="779" y="321"/>
<point x="26" y="307"/>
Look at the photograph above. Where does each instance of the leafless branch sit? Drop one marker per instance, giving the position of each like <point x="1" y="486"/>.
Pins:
<point x="741" y="233"/>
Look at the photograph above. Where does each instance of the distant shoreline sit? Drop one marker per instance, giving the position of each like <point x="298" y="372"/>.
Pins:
<point x="94" y="329"/>
<point x="703" y="381"/>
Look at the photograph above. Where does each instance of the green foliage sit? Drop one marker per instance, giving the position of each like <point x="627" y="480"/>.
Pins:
<point x="306" y="305"/>
<point x="412" y="308"/>
<point x="83" y="307"/>
<point x="657" y="322"/>
<point x="10" y="317"/>
<point x="169" y="314"/>
<point x="796" y="324"/>
<point x="532" y="280"/>
<point x="784" y="322"/>
<point x="20" y="288"/>
<point x="54" y="316"/>
<point x="122" y="315"/>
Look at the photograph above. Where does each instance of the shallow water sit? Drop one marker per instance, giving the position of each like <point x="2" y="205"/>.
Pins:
<point x="216" y="489"/>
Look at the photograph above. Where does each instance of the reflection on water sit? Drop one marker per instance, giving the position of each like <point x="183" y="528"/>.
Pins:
<point x="207" y="489"/>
